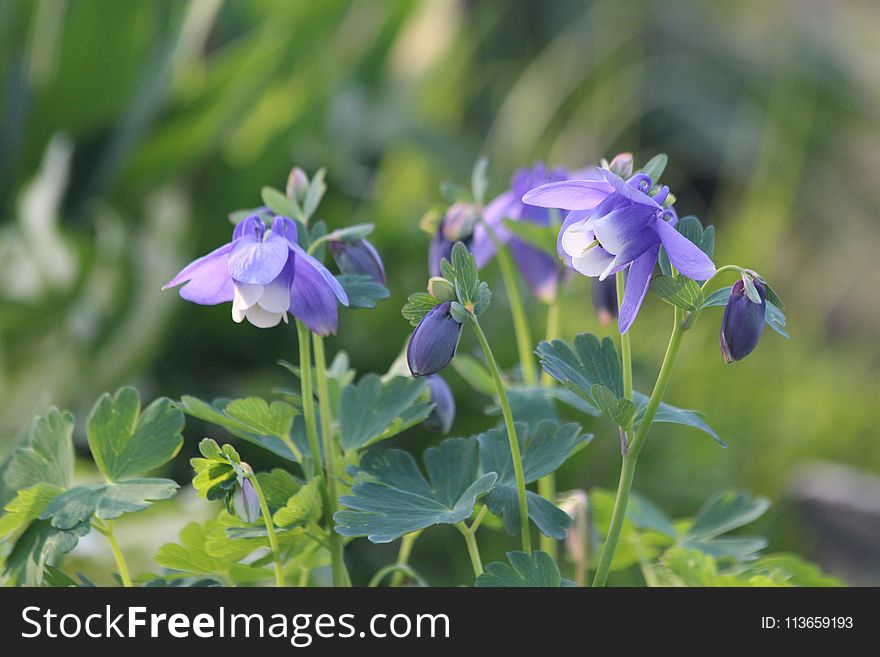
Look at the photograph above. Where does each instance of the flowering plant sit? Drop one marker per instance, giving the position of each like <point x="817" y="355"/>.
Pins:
<point x="334" y="480"/>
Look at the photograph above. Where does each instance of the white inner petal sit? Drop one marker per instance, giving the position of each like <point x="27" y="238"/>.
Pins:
<point x="276" y="296"/>
<point x="262" y="318"/>
<point x="237" y="314"/>
<point x="577" y="239"/>
<point x="593" y="262"/>
<point x="246" y="295"/>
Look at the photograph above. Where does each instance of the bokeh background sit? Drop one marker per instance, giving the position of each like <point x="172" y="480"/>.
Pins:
<point x="128" y="131"/>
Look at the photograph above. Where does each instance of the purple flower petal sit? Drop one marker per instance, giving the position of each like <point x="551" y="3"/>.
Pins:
<point x="252" y="226"/>
<point x="314" y="294"/>
<point x="569" y="194"/>
<point x="209" y="281"/>
<point x="440" y="249"/>
<point x="329" y="278"/>
<point x="620" y="228"/>
<point x="629" y="192"/>
<point x="684" y="254"/>
<point x="540" y="271"/>
<point x="637" y="282"/>
<point x="258" y="261"/>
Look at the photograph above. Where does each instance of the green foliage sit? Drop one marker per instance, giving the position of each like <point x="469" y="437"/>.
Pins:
<point x="372" y="410"/>
<point x="693" y="230"/>
<point x="126" y="442"/>
<point x="26" y="507"/>
<point x="679" y="291"/>
<point x="537" y="570"/>
<point x="362" y="290"/>
<point x="544" y="447"/>
<point x="303" y="507"/>
<point x="417" y="306"/>
<point x="217" y="470"/>
<point x="78" y="505"/>
<point x="251" y="419"/>
<point x="655" y="166"/>
<point x="391" y="497"/>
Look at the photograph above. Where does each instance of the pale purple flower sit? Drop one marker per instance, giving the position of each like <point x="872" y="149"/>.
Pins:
<point x="614" y="224"/>
<point x="265" y="274"/>
<point x="540" y="270"/>
<point x="443" y="414"/>
<point x="358" y="257"/>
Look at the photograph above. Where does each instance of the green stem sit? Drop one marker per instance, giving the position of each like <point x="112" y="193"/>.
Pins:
<point x="630" y="458"/>
<point x="625" y="348"/>
<point x="521" y="328"/>
<point x="406" y="546"/>
<point x="473" y="549"/>
<point x="547" y="484"/>
<point x="337" y="548"/>
<point x="117" y="555"/>
<point x="270" y="527"/>
<point x="511" y="436"/>
<point x="308" y="399"/>
<point x="720" y="271"/>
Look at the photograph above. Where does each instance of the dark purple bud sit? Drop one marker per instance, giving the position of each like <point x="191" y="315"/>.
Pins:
<point x="443" y="414"/>
<point x="434" y="342"/>
<point x="604" y="295"/>
<point x="248" y="502"/>
<point x="358" y="257"/>
<point x="742" y="323"/>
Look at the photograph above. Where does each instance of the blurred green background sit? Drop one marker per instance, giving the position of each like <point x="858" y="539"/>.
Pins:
<point x="128" y="131"/>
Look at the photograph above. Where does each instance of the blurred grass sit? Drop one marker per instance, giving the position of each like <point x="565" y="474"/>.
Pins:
<point x="179" y="112"/>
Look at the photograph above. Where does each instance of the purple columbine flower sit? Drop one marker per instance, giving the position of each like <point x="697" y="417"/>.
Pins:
<point x="433" y="343"/>
<point x="265" y="274"/>
<point x="541" y="271"/>
<point x="358" y="257"/>
<point x="443" y="414"/>
<point x="614" y="224"/>
<point x="742" y="322"/>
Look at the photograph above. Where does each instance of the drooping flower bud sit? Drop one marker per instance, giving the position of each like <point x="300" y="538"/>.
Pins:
<point x="742" y="323"/>
<point x="443" y="414"/>
<point x="622" y="165"/>
<point x="604" y="296"/>
<point x="433" y="343"/>
<point x="247" y="502"/>
<point x="441" y="289"/>
<point x="358" y="257"/>
<point x="297" y="184"/>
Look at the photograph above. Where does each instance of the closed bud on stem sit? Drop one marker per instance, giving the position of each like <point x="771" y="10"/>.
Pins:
<point x="742" y="322"/>
<point x="622" y="165"/>
<point x="441" y="289"/>
<point x="297" y="185"/>
<point x="247" y="502"/>
<point x="443" y="414"/>
<point x="604" y="296"/>
<point x="358" y="257"/>
<point x="433" y="343"/>
<point x="459" y="222"/>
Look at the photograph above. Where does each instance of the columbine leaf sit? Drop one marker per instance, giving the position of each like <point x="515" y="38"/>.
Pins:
<point x="483" y="299"/>
<point x="371" y="410"/>
<point x="464" y="274"/>
<point x="26" y="507"/>
<point x="314" y="194"/>
<point x="537" y="570"/>
<point x="479" y="180"/>
<point x="392" y="497"/>
<point x="236" y="424"/>
<point x="579" y="369"/>
<point x="362" y="291"/>
<point x="620" y="411"/>
<point x="643" y="514"/>
<point x="668" y="414"/>
<point x="217" y="471"/>
<point x="126" y="442"/>
<point x="475" y="373"/>
<point x="279" y="203"/>
<point x="725" y="512"/>
<point x="278" y="485"/>
<point x="25" y="564"/>
<point x="544" y="448"/>
<point x="679" y="291"/>
<point x="302" y="508"/>
<point x="45" y="455"/>
<point x="105" y="501"/>
<point x="655" y="166"/>
<point x="417" y="306"/>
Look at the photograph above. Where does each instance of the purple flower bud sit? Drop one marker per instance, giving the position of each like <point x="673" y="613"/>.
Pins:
<point x="604" y="295"/>
<point x="443" y="414"/>
<point x="434" y="342"/>
<point x="622" y="165"/>
<point x="459" y="222"/>
<point x="742" y="323"/>
<point x="248" y="502"/>
<point x="297" y="184"/>
<point x="358" y="257"/>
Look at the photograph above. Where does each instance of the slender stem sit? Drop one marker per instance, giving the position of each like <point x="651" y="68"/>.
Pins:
<point x="511" y="436"/>
<point x="551" y="333"/>
<point x="625" y="348"/>
<point x="337" y="548"/>
<point x="630" y="458"/>
<point x="473" y="549"/>
<point x="270" y="527"/>
<point x="720" y="271"/>
<point x="547" y="484"/>
<point x="117" y="554"/>
<point x="521" y="328"/>
<point x="308" y="399"/>
<point x="406" y="546"/>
